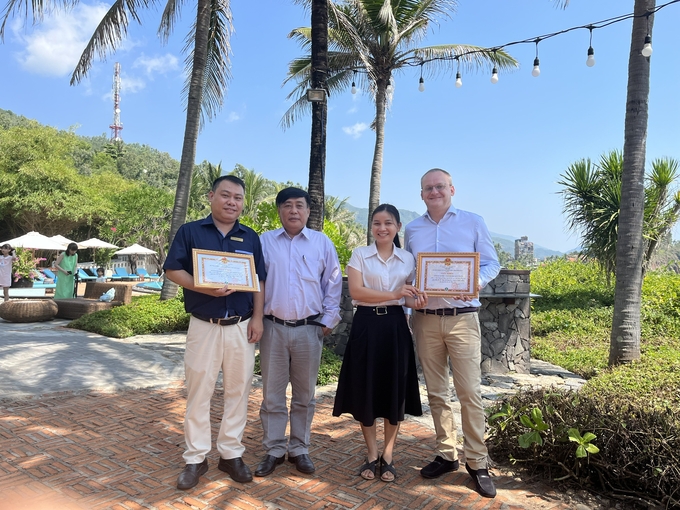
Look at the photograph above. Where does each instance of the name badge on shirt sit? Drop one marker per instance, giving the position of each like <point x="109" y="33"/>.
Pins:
<point x="236" y="239"/>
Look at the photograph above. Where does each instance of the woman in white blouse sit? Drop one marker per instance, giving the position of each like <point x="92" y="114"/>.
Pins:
<point x="378" y="378"/>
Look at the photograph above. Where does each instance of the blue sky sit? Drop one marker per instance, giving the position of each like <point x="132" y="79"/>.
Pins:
<point x="505" y="144"/>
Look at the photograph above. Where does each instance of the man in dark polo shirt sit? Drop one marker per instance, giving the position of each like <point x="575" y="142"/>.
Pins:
<point x="224" y="327"/>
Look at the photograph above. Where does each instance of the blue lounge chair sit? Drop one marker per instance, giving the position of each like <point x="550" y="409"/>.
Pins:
<point x="145" y="274"/>
<point x="122" y="274"/>
<point x="84" y="277"/>
<point x="49" y="273"/>
<point x="41" y="282"/>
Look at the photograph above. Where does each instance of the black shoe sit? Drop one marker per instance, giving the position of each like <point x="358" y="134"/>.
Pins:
<point x="483" y="481"/>
<point x="189" y="476"/>
<point x="268" y="465"/>
<point x="438" y="467"/>
<point x="237" y="469"/>
<point x="302" y="463"/>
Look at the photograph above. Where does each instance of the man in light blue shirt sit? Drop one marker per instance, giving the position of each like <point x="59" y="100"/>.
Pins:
<point x="302" y="305"/>
<point x="449" y="329"/>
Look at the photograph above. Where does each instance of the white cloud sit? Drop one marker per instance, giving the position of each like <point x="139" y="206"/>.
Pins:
<point x="156" y="65"/>
<point x="356" y="130"/>
<point x="233" y="117"/>
<point x="130" y="84"/>
<point x="53" y="49"/>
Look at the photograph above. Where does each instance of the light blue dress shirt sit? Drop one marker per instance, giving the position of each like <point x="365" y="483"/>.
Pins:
<point x="303" y="276"/>
<point x="457" y="231"/>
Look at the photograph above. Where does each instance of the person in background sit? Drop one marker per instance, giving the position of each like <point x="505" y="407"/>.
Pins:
<point x="225" y="324"/>
<point x="7" y="256"/>
<point x="101" y="275"/>
<point x="66" y="265"/>
<point x="301" y="306"/>
<point x="448" y="330"/>
<point x="378" y="378"/>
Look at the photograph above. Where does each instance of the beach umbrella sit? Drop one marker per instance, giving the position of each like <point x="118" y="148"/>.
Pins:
<point x="63" y="240"/>
<point x="35" y="241"/>
<point x="96" y="243"/>
<point x="135" y="249"/>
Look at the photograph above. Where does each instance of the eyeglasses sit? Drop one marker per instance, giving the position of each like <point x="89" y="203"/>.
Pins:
<point x="439" y="187"/>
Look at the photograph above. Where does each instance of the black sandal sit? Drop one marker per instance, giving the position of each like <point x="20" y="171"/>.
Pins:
<point x="370" y="466"/>
<point x="385" y="467"/>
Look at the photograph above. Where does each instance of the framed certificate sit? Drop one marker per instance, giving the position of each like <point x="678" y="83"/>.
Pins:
<point x="217" y="268"/>
<point x="448" y="274"/>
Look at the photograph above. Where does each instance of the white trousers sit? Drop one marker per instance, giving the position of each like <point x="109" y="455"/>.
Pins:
<point x="210" y="348"/>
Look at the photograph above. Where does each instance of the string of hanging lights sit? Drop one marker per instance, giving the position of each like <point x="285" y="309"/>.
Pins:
<point x="536" y="71"/>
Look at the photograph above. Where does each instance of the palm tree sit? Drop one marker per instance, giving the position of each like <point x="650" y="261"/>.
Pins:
<point x="207" y="66"/>
<point x="624" y="345"/>
<point x="258" y="190"/>
<point x="592" y="196"/>
<point x="369" y="41"/>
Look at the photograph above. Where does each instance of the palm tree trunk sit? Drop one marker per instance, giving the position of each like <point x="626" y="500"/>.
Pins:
<point x="376" y="168"/>
<point x="317" y="155"/>
<point x="186" y="166"/>
<point x="625" y="336"/>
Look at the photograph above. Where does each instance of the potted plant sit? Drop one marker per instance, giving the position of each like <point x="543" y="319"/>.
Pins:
<point x="24" y="269"/>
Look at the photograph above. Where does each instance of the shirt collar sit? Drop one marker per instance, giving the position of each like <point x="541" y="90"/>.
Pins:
<point x="373" y="252"/>
<point x="451" y="210"/>
<point x="208" y="220"/>
<point x="282" y="232"/>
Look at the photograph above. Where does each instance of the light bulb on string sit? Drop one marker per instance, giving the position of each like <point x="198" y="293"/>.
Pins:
<point x="421" y="82"/>
<point x="590" y="62"/>
<point x="494" y="75"/>
<point x="647" y="48"/>
<point x="536" y="71"/>
<point x="459" y="81"/>
<point x="354" y="85"/>
<point x="389" y="86"/>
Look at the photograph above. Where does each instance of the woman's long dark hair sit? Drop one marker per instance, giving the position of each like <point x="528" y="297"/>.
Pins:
<point x="392" y="211"/>
<point x="72" y="247"/>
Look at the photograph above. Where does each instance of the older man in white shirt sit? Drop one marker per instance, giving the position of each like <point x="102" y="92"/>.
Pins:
<point x="449" y="329"/>
<point x="301" y="306"/>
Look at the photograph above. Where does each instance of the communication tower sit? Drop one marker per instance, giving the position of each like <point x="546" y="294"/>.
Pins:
<point x="117" y="126"/>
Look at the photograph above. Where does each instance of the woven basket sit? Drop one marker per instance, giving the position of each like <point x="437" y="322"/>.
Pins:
<point x="28" y="310"/>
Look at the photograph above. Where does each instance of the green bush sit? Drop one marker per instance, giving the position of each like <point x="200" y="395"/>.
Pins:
<point x="598" y="438"/>
<point x="145" y="315"/>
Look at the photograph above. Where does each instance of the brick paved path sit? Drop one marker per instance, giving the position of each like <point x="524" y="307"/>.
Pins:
<point x="124" y="451"/>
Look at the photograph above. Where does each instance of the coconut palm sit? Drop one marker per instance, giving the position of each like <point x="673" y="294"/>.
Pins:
<point x="592" y="195"/>
<point x="369" y="42"/>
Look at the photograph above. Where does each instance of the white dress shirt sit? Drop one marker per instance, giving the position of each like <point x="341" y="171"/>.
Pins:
<point x="303" y="276"/>
<point x="457" y="231"/>
<point x="383" y="275"/>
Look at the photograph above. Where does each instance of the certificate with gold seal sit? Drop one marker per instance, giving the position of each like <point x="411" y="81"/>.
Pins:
<point x="216" y="269"/>
<point x="448" y="274"/>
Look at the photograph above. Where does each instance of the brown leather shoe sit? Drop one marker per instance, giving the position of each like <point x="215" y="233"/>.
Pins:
<point x="189" y="476"/>
<point x="236" y="468"/>
<point x="268" y="465"/>
<point x="303" y="463"/>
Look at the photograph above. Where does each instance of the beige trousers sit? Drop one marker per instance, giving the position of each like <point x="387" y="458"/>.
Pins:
<point x="438" y="339"/>
<point x="210" y="348"/>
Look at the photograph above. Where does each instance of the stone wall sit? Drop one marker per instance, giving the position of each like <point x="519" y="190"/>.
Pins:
<point x="504" y="319"/>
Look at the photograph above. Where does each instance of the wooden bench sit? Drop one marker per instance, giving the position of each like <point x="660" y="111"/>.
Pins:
<point x="77" y="307"/>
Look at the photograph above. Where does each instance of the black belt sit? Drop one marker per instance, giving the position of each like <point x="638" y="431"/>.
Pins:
<point x="380" y="310"/>
<point x="228" y="321"/>
<point x="309" y="321"/>
<point x="449" y="311"/>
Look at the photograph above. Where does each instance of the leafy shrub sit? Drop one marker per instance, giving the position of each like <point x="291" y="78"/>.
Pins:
<point x="329" y="370"/>
<point x="597" y="438"/>
<point x="564" y="284"/>
<point x="145" y="315"/>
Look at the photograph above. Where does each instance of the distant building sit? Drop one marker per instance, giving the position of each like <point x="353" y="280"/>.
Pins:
<point x="524" y="250"/>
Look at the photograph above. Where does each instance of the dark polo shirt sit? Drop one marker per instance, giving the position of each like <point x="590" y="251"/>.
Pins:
<point x="205" y="235"/>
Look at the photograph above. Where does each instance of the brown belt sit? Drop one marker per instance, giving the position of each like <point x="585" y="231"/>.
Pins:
<point x="225" y="321"/>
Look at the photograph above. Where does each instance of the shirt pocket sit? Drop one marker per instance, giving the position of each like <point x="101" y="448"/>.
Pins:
<point x="310" y="269"/>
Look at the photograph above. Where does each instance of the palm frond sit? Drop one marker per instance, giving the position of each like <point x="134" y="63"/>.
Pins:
<point x="111" y="30"/>
<point x="472" y="58"/>
<point x="217" y="66"/>
<point x="38" y="9"/>
<point x="168" y="19"/>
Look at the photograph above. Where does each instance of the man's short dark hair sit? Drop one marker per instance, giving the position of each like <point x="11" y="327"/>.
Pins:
<point x="288" y="193"/>
<point x="230" y="178"/>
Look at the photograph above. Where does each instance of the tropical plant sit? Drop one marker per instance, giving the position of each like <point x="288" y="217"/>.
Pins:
<point x="592" y="198"/>
<point x="25" y="267"/>
<point x="379" y="38"/>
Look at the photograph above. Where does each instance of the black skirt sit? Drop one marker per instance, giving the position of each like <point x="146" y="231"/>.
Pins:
<point x="378" y="378"/>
